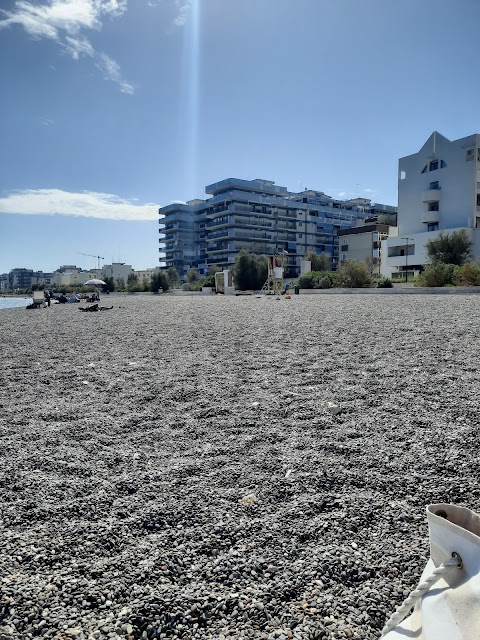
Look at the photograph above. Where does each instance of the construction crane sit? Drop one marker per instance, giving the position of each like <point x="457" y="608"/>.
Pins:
<point x="92" y="256"/>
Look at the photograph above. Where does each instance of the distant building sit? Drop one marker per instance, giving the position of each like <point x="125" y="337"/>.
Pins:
<point x="117" y="271"/>
<point x="363" y="243"/>
<point x="438" y="190"/>
<point x="258" y="216"/>
<point x="20" y="278"/>
<point x="145" y="275"/>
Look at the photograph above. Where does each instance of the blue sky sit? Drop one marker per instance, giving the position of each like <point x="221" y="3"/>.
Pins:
<point x="111" y="108"/>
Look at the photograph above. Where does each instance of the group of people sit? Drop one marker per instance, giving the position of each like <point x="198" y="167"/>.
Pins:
<point x="62" y="298"/>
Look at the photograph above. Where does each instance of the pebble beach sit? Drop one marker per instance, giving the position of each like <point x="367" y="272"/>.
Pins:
<point x="210" y="467"/>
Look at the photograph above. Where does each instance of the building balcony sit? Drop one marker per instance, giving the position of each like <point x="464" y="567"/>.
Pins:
<point x="429" y="217"/>
<point x="431" y="195"/>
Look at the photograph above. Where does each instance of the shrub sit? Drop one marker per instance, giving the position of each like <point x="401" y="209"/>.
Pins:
<point x="436" y="275"/>
<point x="353" y="274"/>
<point x="209" y="281"/>
<point x="384" y="283"/>
<point x="324" y="283"/>
<point x="313" y="279"/>
<point x="467" y="275"/>
<point x="319" y="261"/>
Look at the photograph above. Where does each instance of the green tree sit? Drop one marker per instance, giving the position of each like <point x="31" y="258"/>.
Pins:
<point x="213" y="269"/>
<point x="247" y="272"/>
<point x="320" y="261"/>
<point x="173" y="277"/>
<point x="192" y="275"/>
<point x="453" y="248"/>
<point x="109" y="284"/>
<point x="353" y="274"/>
<point x="132" y="283"/>
<point x="120" y="284"/>
<point x="159" y="281"/>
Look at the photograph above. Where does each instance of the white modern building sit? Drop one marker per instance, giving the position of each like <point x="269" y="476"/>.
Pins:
<point x="438" y="190"/>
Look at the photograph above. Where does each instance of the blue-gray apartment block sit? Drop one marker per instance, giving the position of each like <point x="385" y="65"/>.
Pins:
<point x="261" y="217"/>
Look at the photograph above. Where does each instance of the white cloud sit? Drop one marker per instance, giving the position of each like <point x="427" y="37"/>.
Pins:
<point x="88" y="204"/>
<point x="112" y="71"/>
<point x="183" y="9"/>
<point x="65" y="21"/>
<point x="342" y="194"/>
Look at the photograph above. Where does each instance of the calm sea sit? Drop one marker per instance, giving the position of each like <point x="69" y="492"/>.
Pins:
<point x="11" y="303"/>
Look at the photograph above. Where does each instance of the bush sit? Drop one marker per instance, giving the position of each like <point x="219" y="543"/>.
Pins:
<point x="384" y="283"/>
<point x="353" y="275"/>
<point x="436" y="275"/>
<point x="312" y="280"/>
<point x="319" y="261"/>
<point x="209" y="281"/>
<point x="159" y="281"/>
<point x="324" y="283"/>
<point x="467" y="275"/>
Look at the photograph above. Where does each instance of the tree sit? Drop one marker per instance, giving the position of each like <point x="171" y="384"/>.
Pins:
<point x="192" y="275"/>
<point x="320" y="261"/>
<point x="159" y="281"/>
<point x="453" y="248"/>
<point x="213" y="269"/>
<point x="109" y="284"/>
<point x="132" y="283"/>
<point x="248" y="271"/>
<point x="353" y="274"/>
<point x="173" y="277"/>
<point x="120" y="284"/>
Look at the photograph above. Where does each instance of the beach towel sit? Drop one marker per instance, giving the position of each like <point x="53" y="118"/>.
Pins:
<point x="447" y="599"/>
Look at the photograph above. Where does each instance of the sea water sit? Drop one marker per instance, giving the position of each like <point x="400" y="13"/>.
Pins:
<point x="11" y="303"/>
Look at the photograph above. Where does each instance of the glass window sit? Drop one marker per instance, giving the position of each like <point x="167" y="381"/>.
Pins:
<point x="432" y="226"/>
<point x="434" y="185"/>
<point x="433" y="165"/>
<point x="478" y="199"/>
<point x="433" y="206"/>
<point x="424" y="170"/>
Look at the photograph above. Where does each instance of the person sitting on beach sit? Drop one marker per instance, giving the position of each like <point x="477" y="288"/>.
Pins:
<point x="62" y="299"/>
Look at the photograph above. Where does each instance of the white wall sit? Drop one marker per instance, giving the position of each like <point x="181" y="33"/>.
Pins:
<point x="457" y="183"/>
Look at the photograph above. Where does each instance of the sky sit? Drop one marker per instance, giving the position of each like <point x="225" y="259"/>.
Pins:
<point x="113" y="108"/>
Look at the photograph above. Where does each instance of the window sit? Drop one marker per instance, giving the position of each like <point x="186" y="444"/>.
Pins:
<point x="443" y="164"/>
<point x="470" y="154"/>
<point x="403" y="174"/>
<point x="434" y="185"/>
<point x="344" y="257"/>
<point x="432" y="226"/>
<point x="433" y="165"/>
<point x="478" y="199"/>
<point x="478" y="154"/>
<point x="344" y="247"/>
<point x="433" y="206"/>
<point x="424" y="170"/>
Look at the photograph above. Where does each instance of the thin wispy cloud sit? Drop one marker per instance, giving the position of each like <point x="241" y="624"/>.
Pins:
<point x="67" y="22"/>
<point x="87" y="204"/>
<point x="183" y="9"/>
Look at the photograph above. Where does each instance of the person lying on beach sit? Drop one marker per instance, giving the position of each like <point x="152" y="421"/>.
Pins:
<point x="94" y="307"/>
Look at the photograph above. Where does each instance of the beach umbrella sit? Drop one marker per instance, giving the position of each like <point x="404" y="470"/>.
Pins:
<point x="96" y="283"/>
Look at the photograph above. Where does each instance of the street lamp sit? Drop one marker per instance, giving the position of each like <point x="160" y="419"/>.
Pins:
<point x="406" y="257"/>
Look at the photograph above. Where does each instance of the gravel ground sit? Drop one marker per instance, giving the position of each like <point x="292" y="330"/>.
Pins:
<point x="173" y="468"/>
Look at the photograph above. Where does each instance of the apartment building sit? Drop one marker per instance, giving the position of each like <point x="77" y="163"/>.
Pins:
<point x="438" y="190"/>
<point x="363" y="243"/>
<point x="258" y="216"/>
